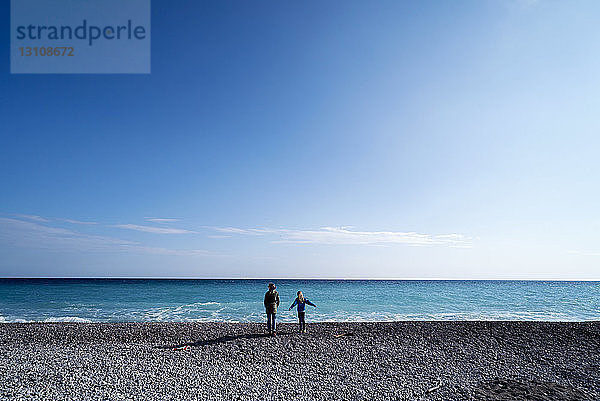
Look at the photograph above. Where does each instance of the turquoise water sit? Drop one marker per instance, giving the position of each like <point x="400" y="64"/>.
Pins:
<point x="119" y="300"/>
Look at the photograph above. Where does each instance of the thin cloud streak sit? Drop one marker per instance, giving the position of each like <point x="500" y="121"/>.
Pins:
<point x="160" y="220"/>
<point x="248" y="231"/>
<point x="584" y="253"/>
<point x="78" y="222"/>
<point x="41" y="219"/>
<point x="26" y="234"/>
<point x="154" y="230"/>
<point x="33" y="235"/>
<point x="346" y="236"/>
<point x="32" y="217"/>
<point x="176" y="252"/>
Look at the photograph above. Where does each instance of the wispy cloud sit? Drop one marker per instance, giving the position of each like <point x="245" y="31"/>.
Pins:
<point x="71" y="221"/>
<point x="584" y="253"/>
<point x="41" y="219"/>
<point x="176" y="252"/>
<point x="248" y="231"/>
<point x="347" y="236"/>
<point x="33" y="235"/>
<point x="154" y="230"/>
<point x="32" y="217"/>
<point x="160" y="220"/>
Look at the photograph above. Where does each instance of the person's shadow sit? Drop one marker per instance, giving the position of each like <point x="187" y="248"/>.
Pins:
<point x="220" y="340"/>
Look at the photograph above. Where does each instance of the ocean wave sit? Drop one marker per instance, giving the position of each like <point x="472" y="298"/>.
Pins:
<point x="63" y="319"/>
<point x="233" y="313"/>
<point x="347" y="316"/>
<point x="219" y="317"/>
<point x="16" y="320"/>
<point x="197" y="311"/>
<point x="66" y="319"/>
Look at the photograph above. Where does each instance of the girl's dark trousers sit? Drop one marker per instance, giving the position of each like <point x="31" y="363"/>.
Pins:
<point x="301" y="321"/>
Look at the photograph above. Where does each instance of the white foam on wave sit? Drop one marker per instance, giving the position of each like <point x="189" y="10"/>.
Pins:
<point x="17" y="320"/>
<point x="66" y="319"/>
<point x="53" y="319"/>
<point x="186" y="312"/>
<point x="346" y="316"/>
<point x="217" y="312"/>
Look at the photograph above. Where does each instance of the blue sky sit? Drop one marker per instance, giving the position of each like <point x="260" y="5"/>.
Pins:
<point x="315" y="139"/>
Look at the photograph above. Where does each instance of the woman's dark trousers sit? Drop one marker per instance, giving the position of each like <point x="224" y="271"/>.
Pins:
<point x="271" y="322"/>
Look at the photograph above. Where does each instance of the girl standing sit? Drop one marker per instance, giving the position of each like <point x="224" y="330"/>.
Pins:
<point x="301" y="302"/>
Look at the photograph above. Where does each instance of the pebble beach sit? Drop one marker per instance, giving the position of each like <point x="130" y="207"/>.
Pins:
<point x="333" y="361"/>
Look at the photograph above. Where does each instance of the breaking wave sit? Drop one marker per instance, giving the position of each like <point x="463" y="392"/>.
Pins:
<point x="53" y="319"/>
<point x="66" y="319"/>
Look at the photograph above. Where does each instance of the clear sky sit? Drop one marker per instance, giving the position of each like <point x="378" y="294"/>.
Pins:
<point x="396" y="139"/>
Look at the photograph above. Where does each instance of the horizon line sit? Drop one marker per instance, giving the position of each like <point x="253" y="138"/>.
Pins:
<point x="297" y="278"/>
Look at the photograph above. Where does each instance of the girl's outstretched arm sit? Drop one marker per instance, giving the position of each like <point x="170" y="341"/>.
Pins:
<point x="310" y="303"/>
<point x="294" y="304"/>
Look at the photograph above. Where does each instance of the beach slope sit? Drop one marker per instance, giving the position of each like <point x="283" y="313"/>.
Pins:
<point x="333" y="361"/>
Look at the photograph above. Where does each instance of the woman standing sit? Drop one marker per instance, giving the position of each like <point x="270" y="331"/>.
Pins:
<point x="271" y="304"/>
<point x="301" y="302"/>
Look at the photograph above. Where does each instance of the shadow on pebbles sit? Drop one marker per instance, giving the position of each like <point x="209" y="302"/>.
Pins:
<point x="524" y="389"/>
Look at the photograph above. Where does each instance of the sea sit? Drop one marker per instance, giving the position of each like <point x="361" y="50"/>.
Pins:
<point x="208" y="300"/>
